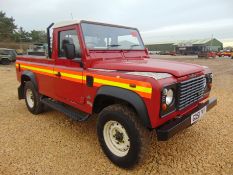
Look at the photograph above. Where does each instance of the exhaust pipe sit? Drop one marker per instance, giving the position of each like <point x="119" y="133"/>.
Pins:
<point x="48" y="40"/>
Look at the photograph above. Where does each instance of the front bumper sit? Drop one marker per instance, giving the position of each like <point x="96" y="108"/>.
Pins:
<point x="172" y="127"/>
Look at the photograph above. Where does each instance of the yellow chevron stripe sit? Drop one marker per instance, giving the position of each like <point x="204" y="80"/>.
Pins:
<point x="37" y="69"/>
<point x="72" y="76"/>
<point x="96" y="80"/>
<point x="123" y="85"/>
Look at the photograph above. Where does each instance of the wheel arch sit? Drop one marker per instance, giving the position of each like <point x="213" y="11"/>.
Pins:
<point x="4" y="58"/>
<point x="109" y="95"/>
<point x="26" y="76"/>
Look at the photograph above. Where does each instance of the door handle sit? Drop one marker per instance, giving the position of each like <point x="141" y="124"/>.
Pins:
<point x="58" y="74"/>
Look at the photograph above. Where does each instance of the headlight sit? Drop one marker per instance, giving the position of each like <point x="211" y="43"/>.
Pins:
<point x="168" y="101"/>
<point x="208" y="82"/>
<point x="169" y="97"/>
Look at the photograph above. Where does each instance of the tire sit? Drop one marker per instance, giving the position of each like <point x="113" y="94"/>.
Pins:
<point x="32" y="98"/>
<point x="126" y="153"/>
<point x="5" y="61"/>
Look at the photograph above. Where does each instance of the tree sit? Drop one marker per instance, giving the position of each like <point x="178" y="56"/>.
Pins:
<point x="23" y="35"/>
<point x="34" y="36"/>
<point x="38" y="36"/>
<point x="7" y="27"/>
<point x="9" y="32"/>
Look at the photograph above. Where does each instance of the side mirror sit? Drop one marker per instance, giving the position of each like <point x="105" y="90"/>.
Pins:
<point x="147" y="51"/>
<point x="69" y="50"/>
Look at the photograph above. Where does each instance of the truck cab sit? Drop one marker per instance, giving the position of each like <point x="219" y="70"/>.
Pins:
<point x="104" y="69"/>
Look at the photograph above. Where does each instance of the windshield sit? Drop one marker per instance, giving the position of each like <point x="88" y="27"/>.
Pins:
<point x="104" y="37"/>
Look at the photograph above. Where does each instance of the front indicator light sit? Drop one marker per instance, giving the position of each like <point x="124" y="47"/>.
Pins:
<point x="210" y="85"/>
<point x="164" y="107"/>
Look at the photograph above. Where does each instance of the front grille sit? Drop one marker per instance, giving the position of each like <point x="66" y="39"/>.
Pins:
<point x="190" y="91"/>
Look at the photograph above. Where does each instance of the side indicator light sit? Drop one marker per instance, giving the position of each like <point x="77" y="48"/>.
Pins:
<point x="132" y="85"/>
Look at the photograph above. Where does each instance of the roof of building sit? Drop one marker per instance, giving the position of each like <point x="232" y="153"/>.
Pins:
<point x="194" y="41"/>
<point x="187" y="42"/>
<point x="161" y="43"/>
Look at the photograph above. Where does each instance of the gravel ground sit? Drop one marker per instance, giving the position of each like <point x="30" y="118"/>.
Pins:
<point x="51" y="143"/>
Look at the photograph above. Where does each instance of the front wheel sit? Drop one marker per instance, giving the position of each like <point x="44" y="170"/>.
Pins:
<point x="121" y="136"/>
<point x="32" y="98"/>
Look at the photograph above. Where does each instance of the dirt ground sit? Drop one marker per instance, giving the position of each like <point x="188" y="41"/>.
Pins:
<point x="51" y="143"/>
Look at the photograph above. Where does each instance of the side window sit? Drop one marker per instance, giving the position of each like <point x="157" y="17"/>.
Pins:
<point x="68" y="37"/>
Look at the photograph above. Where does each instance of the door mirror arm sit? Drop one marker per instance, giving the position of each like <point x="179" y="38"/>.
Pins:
<point x="78" y="60"/>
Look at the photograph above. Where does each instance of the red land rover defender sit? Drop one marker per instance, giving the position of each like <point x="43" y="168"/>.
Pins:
<point x="104" y="69"/>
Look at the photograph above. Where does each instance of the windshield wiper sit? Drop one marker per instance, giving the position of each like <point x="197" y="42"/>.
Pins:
<point x="134" y="45"/>
<point x="113" y="45"/>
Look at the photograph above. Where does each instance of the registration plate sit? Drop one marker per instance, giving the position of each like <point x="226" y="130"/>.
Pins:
<point x="197" y="115"/>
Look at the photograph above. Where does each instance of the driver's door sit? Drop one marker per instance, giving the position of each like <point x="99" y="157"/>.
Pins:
<point x="68" y="84"/>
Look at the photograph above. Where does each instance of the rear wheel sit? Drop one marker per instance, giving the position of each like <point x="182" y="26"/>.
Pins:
<point x="122" y="137"/>
<point x="5" y="61"/>
<point x="32" y="98"/>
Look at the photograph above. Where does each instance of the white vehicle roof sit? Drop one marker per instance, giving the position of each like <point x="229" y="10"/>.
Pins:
<point x="66" y="23"/>
<point x="6" y="49"/>
<point x="72" y="22"/>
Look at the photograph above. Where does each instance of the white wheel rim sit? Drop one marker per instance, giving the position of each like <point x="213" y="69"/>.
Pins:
<point x="116" y="138"/>
<point x="30" y="98"/>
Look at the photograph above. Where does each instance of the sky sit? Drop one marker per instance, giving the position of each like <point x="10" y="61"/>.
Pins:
<point x="159" y="21"/>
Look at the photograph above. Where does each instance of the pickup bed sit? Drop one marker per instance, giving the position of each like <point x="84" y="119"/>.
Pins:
<point x="104" y="69"/>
